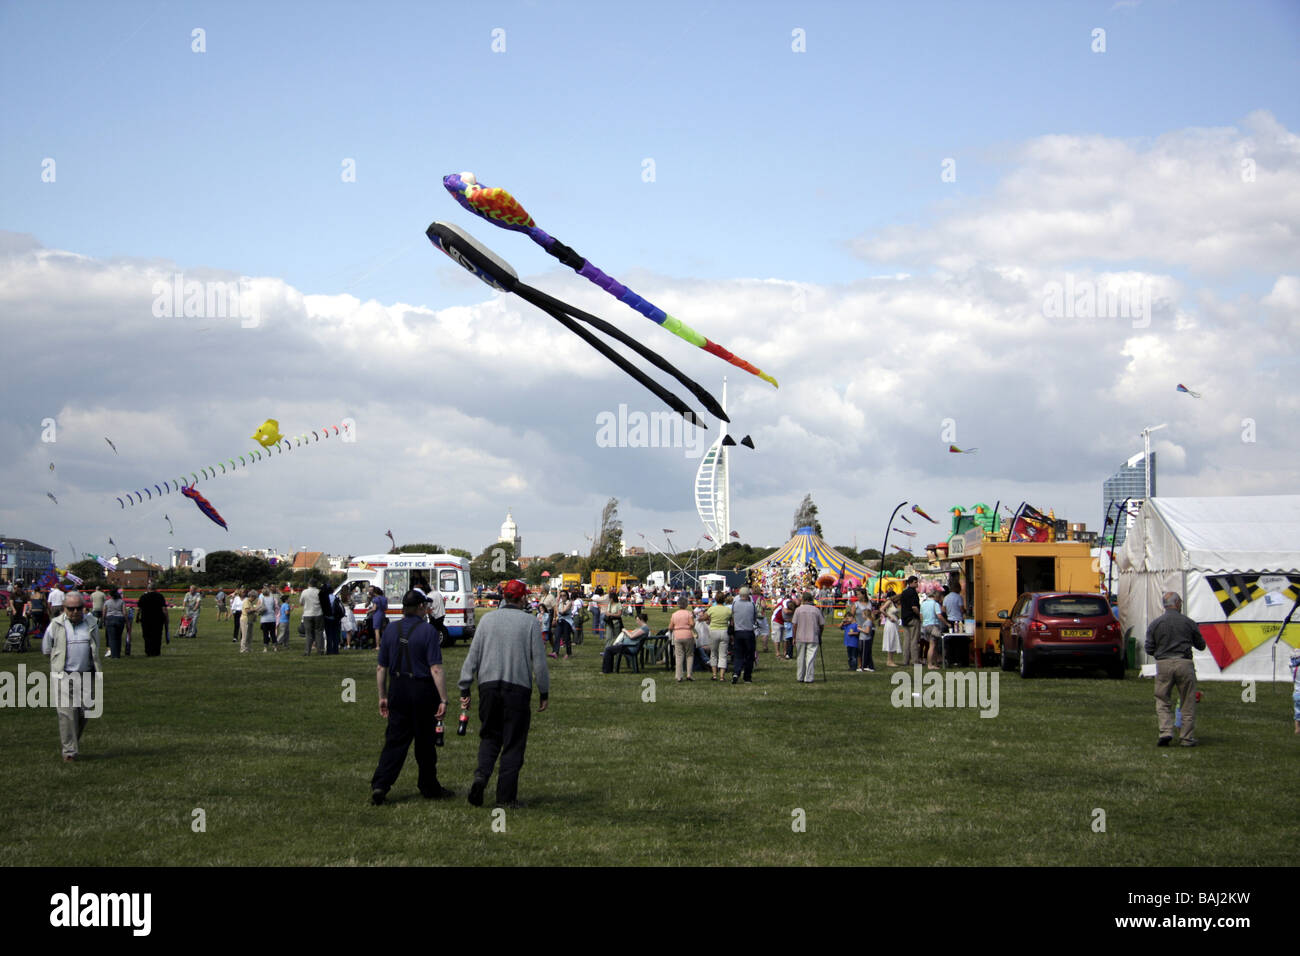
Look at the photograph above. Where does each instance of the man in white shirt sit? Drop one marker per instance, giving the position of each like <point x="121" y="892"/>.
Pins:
<point x="236" y="609"/>
<point x="55" y="602"/>
<point x="312" y="618"/>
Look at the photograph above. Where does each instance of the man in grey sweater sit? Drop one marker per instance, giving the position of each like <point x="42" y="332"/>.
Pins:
<point x="506" y="652"/>
<point x="1170" y="639"/>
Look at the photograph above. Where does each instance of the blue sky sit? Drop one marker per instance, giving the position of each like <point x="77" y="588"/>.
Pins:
<point x="776" y="173"/>
<point x="767" y="162"/>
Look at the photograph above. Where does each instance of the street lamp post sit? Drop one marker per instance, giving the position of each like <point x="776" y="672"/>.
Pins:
<point x="880" y="577"/>
<point x="1146" y="454"/>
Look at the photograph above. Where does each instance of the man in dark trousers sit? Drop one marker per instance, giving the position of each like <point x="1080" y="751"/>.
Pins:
<point x="909" y="602"/>
<point x="506" y="652"/>
<point x="1170" y="639"/>
<point x="413" y="702"/>
<point x="744" y="616"/>
<point x="151" y="612"/>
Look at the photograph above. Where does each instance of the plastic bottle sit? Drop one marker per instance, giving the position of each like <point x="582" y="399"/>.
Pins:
<point x="462" y="724"/>
<point x="439" y="736"/>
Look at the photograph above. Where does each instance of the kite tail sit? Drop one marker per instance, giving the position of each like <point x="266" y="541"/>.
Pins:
<point x="671" y="323"/>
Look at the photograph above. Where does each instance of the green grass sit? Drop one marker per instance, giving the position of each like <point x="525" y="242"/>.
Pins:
<point x="707" y="774"/>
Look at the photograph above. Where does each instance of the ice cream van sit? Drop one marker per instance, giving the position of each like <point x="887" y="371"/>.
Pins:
<point x="396" y="574"/>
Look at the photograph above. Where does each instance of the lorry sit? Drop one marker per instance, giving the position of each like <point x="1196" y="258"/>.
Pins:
<point x="611" y="580"/>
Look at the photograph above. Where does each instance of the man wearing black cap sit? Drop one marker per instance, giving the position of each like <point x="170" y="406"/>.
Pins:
<point x="506" y="652"/>
<point x="414" y="701"/>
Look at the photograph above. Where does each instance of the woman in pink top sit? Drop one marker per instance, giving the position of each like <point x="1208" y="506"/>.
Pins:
<point x="682" y="627"/>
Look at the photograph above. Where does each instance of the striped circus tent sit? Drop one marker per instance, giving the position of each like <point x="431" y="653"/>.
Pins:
<point x="807" y="546"/>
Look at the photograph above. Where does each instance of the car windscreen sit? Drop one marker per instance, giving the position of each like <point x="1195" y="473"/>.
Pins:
<point x="1075" y="605"/>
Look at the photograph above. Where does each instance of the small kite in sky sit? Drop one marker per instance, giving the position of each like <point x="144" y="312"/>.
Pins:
<point x="51" y="466"/>
<point x="110" y="541"/>
<point x="1184" y="388"/>
<point x="204" y="505"/>
<point x="736" y="535"/>
<point x="50" y="495"/>
<point x="389" y="535"/>
<point x="906" y="518"/>
<point x="916" y="509"/>
<point x="169" y="524"/>
<point x="959" y="451"/>
<point x="899" y="547"/>
<point x="910" y="534"/>
<point x="111" y="445"/>
<point x="268" y="433"/>
<point x="502" y="209"/>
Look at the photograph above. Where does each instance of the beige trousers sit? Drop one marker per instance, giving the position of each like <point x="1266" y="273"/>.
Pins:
<point x="1180" y="673"/>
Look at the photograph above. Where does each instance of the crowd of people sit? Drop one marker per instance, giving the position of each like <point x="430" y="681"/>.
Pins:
<point x="721" y="633"/>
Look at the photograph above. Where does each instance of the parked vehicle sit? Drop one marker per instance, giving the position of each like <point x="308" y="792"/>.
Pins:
<point x="1061" y="628"/>
<point x="397" y="573"/>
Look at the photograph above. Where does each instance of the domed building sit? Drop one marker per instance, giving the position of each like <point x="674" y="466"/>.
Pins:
<point x="510" y="534"/>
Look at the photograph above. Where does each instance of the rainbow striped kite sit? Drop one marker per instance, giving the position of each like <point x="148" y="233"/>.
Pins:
<point x="502" y="209"/>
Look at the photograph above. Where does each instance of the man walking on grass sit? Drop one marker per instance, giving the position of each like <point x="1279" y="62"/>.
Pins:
<point x="413" y="702"/>
<point x="505" y="655"/>
<point x="1170" y="639"/>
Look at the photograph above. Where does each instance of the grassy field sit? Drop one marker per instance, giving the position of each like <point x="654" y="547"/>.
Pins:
<point x="708" y="773"/>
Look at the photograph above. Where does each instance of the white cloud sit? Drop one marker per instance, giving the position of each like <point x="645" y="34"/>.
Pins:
<point x="464" y="411"/>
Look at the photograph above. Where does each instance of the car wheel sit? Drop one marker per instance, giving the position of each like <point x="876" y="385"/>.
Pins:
<point x="1007" y="665"/>
<point x="1026" y="665"/>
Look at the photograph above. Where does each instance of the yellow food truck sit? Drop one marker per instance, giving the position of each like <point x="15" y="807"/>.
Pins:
<point x="994" y="573"/>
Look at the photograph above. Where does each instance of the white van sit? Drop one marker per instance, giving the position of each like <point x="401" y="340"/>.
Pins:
<point x="396" y="574"/>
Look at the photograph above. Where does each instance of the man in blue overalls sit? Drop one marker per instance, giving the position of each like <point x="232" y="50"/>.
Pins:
<point x="413" y="702"/>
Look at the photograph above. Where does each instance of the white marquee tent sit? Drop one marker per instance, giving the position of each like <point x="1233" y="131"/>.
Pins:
<point x="1236" y="563"/>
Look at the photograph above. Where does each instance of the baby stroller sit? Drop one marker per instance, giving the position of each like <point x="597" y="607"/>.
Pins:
<point x="188" y="628"/>
<point x="16" y="639"/>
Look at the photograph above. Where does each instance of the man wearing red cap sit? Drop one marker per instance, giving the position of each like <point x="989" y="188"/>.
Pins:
<point x="505" y="655"/>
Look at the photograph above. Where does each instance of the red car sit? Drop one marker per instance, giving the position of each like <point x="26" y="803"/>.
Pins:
<point x="1062" y="628"/>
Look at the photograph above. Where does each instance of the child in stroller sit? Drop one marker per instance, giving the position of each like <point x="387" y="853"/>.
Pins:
<point x="16" y="639"/>
<point x="188" y="628"/>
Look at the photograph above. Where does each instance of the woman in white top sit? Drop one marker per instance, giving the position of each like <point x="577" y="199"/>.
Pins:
<point x="893" y="644"/>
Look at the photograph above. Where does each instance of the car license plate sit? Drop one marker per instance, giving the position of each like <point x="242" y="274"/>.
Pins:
<point x="1076" y="632"/>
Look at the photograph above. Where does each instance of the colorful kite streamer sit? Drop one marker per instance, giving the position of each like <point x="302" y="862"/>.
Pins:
<point x="1184" y="388"/>
<point x="957" y="451"/>
<point x="280" y="444"/>
<point x="204" y="505"/>
<point x="916" y="509"/>
<point x="502" y="209"/>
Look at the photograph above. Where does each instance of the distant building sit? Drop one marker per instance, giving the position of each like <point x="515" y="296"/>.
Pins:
<point x="133" y="573"/>
<point x="510" y="533"/>
<point x="1128" y="482"/>
<point x="181" y="557"/>
<point x="23" y="560"/>
<point x="311" y="561"/>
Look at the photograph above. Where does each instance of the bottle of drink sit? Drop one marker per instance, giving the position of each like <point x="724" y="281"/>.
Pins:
<point x="439" y="736"/>
<point x="462" y="724"/>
